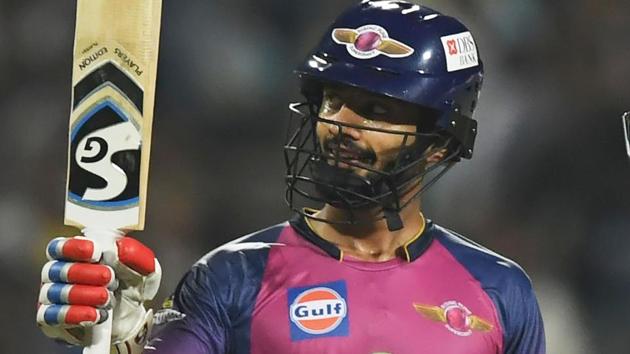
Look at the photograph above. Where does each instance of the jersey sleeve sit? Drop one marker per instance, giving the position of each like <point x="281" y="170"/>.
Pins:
<point x="198" y="321"/>
<point x="508" y="287"/>
<point x="520" y="316"/>
<point x="213" y="305"/>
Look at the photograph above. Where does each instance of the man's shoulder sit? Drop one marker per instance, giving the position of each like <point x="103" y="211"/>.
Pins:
<point x="494" y="271"/>
<point x="232" y="272"/>
<point x="507" y="285"/>
<point x="251" y="248"/>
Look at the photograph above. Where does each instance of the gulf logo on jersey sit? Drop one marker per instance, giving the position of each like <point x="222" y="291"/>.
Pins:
<point x="318" y="311"/>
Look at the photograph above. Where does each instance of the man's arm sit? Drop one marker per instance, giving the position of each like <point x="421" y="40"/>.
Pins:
<point x="195" y="319"/>
<point x="213" y="306"/>
<point x="523" y="330"/>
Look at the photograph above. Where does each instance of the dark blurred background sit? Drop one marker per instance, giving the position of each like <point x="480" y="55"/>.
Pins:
<point x="549" y="185"/>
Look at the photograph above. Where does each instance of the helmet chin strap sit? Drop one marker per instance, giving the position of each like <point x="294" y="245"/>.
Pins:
<point x="393" y="220"/>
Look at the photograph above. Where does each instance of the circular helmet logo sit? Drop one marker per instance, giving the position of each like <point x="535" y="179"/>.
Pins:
<point x="369" y="41"/>
<point x="318" y="310"/>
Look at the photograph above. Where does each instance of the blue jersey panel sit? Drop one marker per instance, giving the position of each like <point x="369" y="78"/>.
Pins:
<point x="207" y="316"/>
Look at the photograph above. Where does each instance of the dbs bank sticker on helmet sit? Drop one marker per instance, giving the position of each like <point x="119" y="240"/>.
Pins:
<point x="460" y="51"/>
<point x="369" y="41"/>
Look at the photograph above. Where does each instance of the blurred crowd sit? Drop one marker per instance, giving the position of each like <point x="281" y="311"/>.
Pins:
<point x="549" y="185"/>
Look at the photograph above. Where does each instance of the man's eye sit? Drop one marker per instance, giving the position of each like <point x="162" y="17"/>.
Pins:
<point x="375" y="110"/>
<point x="379" y="109"/>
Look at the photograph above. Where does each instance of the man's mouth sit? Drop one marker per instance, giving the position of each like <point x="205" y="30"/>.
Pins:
<point x="350" y="154"/>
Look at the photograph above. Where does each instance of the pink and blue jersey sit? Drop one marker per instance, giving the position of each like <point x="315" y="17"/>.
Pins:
<point x="286" y="290"/>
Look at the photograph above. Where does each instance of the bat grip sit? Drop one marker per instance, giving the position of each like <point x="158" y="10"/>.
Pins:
<point x="102" y="333"/>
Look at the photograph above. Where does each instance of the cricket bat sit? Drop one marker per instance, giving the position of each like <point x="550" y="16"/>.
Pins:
<point x="113" y="92"/>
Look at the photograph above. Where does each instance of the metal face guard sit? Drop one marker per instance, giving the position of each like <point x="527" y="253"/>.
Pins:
<point x="315" y="176"/>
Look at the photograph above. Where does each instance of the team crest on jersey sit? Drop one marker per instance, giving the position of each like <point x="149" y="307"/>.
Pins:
<point x="318" y="311"/>
<point x="369" y="41"/>
<point x="456" y="317"/>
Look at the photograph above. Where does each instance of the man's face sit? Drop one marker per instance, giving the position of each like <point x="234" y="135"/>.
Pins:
<point x="350" y="137"/>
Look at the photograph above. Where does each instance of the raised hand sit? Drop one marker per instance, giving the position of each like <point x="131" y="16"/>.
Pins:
<point x="80" y="282"/>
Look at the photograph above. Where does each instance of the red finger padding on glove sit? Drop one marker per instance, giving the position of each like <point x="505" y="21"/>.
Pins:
<point x="59" y="293"/>
<point x="70" y="315"/>
<point x="88" y="295"/>
<point x="78" y="273"/>
<point x="78" y="314"/>
<point x="135" y="255"/>
<point x="131" y="252"/>
<point x="73" y="249"/>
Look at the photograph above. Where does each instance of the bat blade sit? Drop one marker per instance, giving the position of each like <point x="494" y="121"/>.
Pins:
<point x="113" y="93"/>
<point x="113" y="89"/>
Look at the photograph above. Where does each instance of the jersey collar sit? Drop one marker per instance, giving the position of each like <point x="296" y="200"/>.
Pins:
<point x="410" y="251"/>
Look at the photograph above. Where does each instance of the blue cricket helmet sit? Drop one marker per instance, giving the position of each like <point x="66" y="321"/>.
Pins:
<point x="404" y="51"/>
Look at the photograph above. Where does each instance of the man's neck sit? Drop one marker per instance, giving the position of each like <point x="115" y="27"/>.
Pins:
<point x="370" y="241"/>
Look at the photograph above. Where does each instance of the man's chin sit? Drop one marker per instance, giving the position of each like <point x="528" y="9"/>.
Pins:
<point x="338" y="213"/>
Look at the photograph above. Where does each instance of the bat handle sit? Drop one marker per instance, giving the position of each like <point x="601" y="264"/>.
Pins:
<point x="101" y="337"/>
<point x="101" y="333"/>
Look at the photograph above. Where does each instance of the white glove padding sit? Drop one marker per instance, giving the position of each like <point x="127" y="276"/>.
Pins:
<point x="77" y="291"/>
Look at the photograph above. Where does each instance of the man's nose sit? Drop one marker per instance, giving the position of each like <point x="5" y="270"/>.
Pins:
<point x="346" y="119"/>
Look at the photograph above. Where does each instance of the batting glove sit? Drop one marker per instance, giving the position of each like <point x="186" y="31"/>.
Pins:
<point x="81" y="282"/>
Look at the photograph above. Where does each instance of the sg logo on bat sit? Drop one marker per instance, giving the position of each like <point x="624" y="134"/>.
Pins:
<point x="105" y="148"/>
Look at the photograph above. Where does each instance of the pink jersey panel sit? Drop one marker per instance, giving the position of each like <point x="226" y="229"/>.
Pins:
<point x="431" y="305"/>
